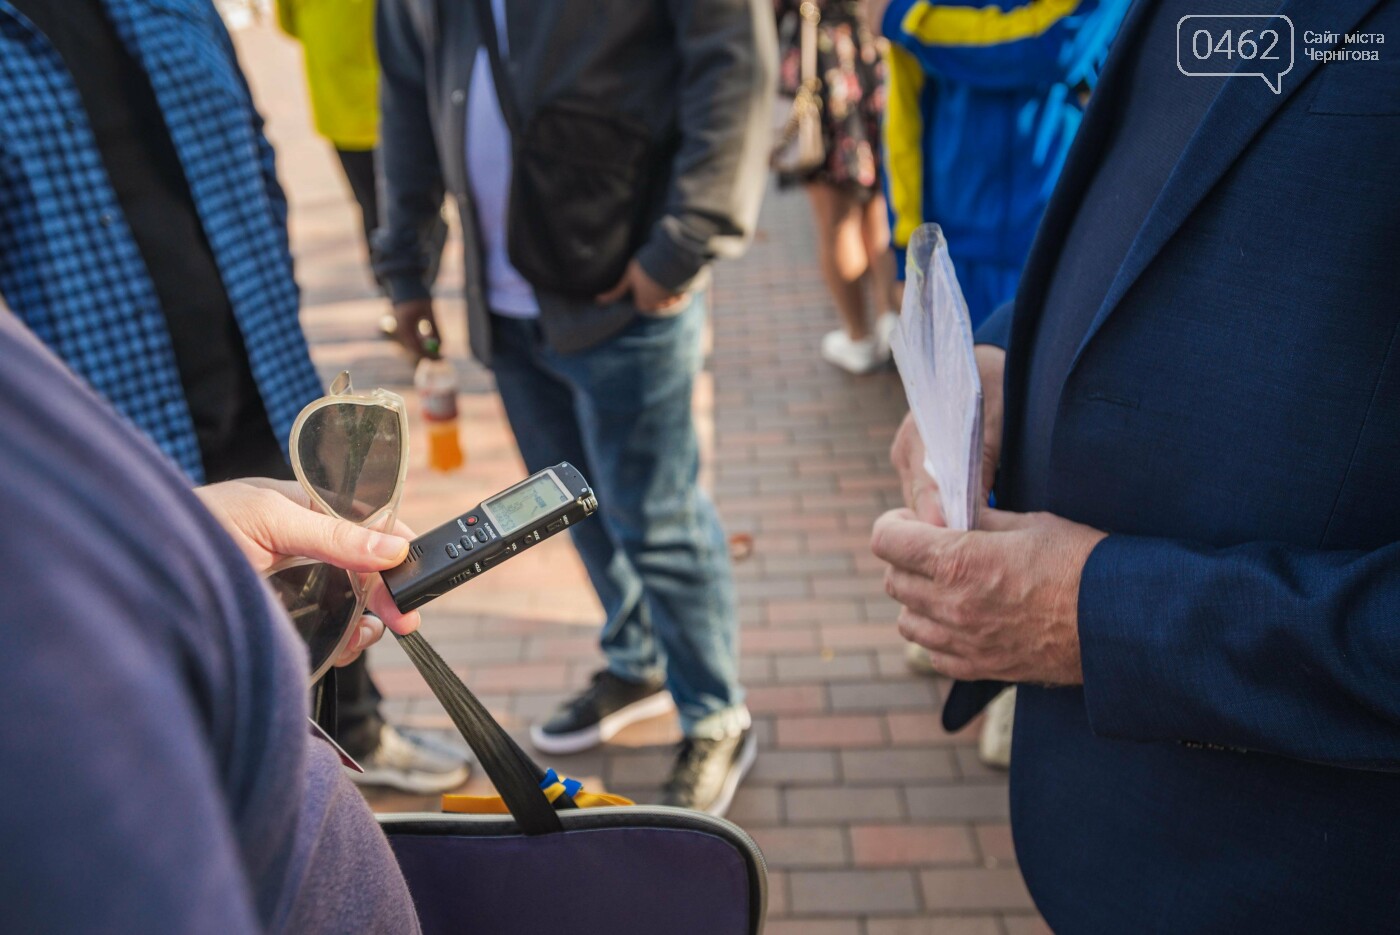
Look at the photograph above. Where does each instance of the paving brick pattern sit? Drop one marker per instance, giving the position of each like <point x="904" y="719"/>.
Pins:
<point x="873" y="820"/>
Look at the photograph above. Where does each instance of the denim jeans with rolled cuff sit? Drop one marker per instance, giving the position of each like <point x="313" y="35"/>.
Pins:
<point x="656" y="553"/>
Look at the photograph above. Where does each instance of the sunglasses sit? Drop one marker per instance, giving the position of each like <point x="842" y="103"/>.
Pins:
<point x="349" y="451"/>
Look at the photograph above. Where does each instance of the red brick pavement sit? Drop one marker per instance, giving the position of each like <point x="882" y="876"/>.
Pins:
<point x="874" y="821"/>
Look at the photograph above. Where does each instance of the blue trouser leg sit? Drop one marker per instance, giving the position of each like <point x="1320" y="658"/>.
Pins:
<point x="540" y="408"/>
<point x="631" y="416"/>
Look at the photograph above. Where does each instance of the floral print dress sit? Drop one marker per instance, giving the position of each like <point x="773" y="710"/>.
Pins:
<point x="852" y="92"/>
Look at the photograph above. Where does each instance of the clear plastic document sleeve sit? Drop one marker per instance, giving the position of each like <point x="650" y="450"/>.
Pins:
<point x="933" y="349"/>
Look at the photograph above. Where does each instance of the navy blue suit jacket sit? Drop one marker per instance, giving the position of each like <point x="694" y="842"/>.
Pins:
<point x="1233" y="420"/>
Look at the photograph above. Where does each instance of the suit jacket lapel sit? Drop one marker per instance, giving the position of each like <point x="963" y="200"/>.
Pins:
<point x="1083" y="158"/>
<point x="1240" y="110"/>
<point x="1080" y="167"/>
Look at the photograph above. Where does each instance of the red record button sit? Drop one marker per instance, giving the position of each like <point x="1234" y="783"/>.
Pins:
<point x="471" y="520"/>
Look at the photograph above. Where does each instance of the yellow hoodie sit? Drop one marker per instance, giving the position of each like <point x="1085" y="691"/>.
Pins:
<point x="342" y="69"/>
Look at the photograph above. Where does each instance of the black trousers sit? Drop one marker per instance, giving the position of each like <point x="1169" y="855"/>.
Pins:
<point x="360" y="167"/>
<point x="352" y="717"/>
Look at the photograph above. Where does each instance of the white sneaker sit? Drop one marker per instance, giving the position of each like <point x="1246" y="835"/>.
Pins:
<point x="994" y="748"/>
<point x="884" y="329"/>
<point x="412" y="762"/>
<point x="855" y="357"/>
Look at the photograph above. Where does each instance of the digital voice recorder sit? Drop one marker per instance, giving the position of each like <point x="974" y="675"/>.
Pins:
<point x="502" y="526"/>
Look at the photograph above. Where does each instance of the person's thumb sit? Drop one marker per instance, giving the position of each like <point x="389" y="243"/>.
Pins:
<point x="335" y="541"/>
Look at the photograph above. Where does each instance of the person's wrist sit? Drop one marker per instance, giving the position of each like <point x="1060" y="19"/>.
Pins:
<point x="668" y="264"/>
<point x="406" y="287"/>
<point x="416" y="328"/>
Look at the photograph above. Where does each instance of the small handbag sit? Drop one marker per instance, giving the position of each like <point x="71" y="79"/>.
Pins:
<point x="798" y="146"/>
<point x="546" y="856"/>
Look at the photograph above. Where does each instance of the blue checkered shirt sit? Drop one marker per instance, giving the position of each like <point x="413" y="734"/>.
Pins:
<point x="69" y="266"/>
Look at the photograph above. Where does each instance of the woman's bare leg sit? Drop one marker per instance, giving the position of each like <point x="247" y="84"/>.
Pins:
<point x="875" y="233"/>
<point x="841" y="253"/>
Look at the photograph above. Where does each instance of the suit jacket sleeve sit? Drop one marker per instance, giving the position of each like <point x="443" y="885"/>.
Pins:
<point x="1259" y="647"/>
<point x="996" y="330"/>
<point x="267" y="156"/>
<point x="728" y="51"/>
<point x="411" y="183"/>
<point x="276" y="197"/>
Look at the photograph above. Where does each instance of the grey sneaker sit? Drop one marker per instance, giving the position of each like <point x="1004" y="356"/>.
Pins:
<point x="412" y="762"/>
<point x="596" y="714"/>
<point x="707" y="772"/>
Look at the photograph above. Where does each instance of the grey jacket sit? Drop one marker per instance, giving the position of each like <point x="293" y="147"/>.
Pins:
<point x="702" y="71"/>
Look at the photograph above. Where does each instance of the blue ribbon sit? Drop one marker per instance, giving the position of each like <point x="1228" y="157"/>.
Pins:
<point x="572" y="787"/>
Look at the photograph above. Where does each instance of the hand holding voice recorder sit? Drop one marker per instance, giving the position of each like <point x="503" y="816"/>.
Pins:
<point x="502" y="526"/>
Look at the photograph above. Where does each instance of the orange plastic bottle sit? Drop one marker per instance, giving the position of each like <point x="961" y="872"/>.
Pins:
<point x="436" y="382"/>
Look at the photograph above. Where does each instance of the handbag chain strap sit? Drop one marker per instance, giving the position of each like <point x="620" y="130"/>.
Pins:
<point x="807" y="102"/>
<point x="811" y="17"/>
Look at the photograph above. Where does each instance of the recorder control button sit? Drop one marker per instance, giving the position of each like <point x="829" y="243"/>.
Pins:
<point x="467" y="544"/>
<point x="471" y="521"/>
<point x="451" y="550"/>
<point x="481" y="535"/>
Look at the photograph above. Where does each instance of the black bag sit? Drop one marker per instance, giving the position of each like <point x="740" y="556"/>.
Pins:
<point x="580" y="871"/>
<point x="581" y="182"/>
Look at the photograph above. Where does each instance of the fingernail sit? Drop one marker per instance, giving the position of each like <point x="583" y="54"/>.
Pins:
<point x="382" y="545"/>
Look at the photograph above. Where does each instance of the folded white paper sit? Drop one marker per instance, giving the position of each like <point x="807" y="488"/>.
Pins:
<point x="933" y="349"/>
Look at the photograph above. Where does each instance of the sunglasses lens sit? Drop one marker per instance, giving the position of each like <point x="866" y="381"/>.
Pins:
<point x="322" y="604"/>
<point x="351" y="454"/>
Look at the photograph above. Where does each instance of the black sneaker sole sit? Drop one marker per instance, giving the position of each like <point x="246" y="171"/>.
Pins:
<point x="609" y="727"/>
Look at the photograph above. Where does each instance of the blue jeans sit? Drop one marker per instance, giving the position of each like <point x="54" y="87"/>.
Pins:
<point x="659" y="560"/>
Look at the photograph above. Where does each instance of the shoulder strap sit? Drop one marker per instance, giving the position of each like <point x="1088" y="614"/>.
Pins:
<point x="505" y="91"/>
<point x="516" y="776"/>
<point x="811" y="16"/>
